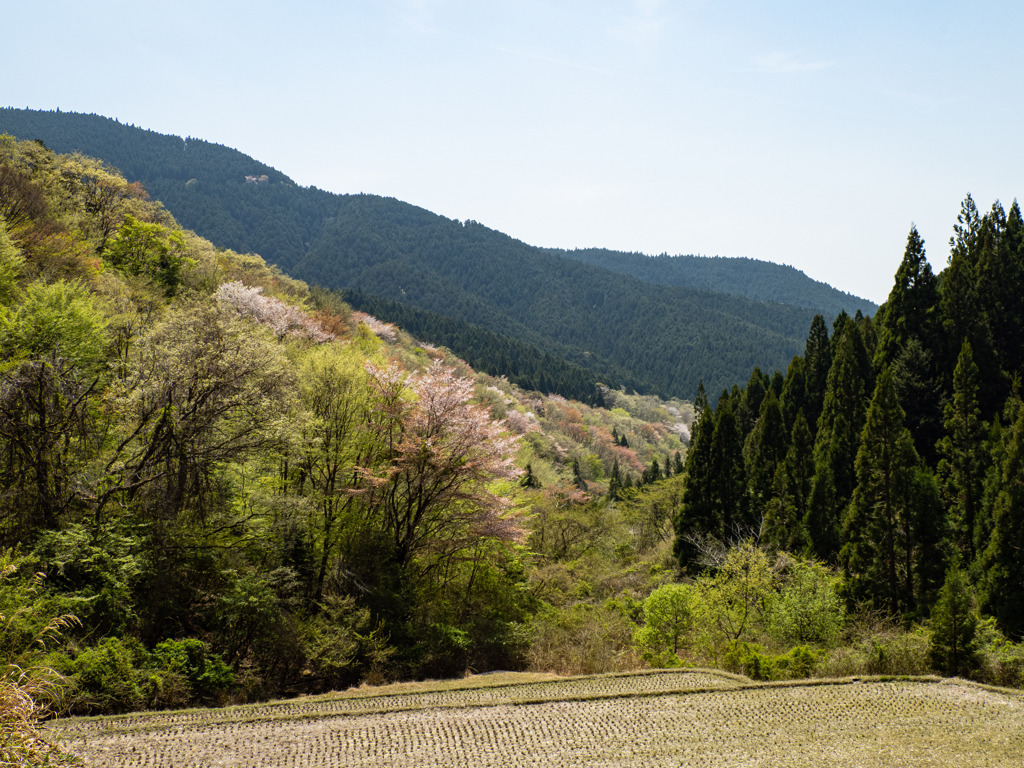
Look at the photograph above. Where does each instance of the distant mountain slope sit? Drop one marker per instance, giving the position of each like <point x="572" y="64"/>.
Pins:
<point x="656" y="338"/>
<point x="650" y="336"/>
<point x="754" y="279"/>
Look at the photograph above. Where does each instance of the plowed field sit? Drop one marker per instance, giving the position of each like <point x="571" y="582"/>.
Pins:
<point x="676" y="718"/>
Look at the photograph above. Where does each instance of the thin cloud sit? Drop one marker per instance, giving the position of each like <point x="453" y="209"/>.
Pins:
<point x="788" y="63"/>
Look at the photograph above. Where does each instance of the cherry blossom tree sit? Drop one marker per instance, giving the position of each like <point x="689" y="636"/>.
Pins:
<point x="283" y="319"/>
<point x="430" y="487"/>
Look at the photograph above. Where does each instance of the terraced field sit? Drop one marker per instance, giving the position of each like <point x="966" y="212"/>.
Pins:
<point x="668" y="718"/>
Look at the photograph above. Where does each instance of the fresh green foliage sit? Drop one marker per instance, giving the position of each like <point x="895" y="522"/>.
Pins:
<point x="668" y="618"/>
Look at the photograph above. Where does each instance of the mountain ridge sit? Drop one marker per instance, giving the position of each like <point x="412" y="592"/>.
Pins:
<point x="651" y="336"/>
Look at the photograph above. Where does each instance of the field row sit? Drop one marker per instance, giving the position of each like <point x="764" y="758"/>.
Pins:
<point x="470" y="693"/>
<point x="865" y="724"/>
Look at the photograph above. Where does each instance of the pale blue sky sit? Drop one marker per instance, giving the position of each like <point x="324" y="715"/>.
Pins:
<point x="804" y="133"/>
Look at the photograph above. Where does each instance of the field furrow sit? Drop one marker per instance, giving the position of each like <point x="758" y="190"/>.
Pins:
<point x="872" y="723"/>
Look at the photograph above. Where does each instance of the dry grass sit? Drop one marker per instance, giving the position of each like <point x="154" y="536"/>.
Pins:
<point x="675" y="718"/>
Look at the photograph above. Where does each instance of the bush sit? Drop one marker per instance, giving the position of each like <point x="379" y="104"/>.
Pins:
<point x="444" y="652"/>
<point x="1000" y="662"/>
<point x="108" y="678"/>
<point x="797" y="663"/>
<point x="206" y="674"/>
<point x="668" y="619"/>
<point x="582" y="640"/>
<point x="28" y="688"/>
<point x="879" y="647"/>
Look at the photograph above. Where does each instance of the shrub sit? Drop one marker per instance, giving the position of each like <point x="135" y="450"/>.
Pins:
<point x="808" y="608"/>
<point x="1000" y="662"/>
<point x="877" y="646"/>
<point x="28" y="688"/>
<point x="206" y="674"/>
<point x="668" y="619"/>
<point x="108" y="678"/>
<point x="582" y="640"/>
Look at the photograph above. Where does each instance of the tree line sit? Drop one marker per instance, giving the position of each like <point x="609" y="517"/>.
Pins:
<point x="892" y="447"/>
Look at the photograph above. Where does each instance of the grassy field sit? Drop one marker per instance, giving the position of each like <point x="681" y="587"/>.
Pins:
<point x="664" y="718"/>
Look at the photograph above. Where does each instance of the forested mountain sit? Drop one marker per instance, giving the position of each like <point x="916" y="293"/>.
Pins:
<point x="744" y="277"/>
<point x="893" y="448"/>
<point x="623" y="331"/>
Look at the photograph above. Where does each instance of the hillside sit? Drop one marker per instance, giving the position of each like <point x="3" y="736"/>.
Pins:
<point x="661" y="338"/>
<point x="744" y="277"/>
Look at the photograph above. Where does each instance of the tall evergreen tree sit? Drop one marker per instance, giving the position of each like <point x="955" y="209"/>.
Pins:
<point x="1003" y="560"/>
<point x="1000" y="277"/>
<point x="964" y="456"/>
<point x="750" y="402"/>
<point x="730" y="486"/>
<point x="964" y="309"/>
<point x="836" y="442"/>
<point x="615" y="482"/>
<point x="784" y="520"/>
<point x="817" y="364"/>
<point x="890" y="549"/>
<point x="764" y="451"/>
<point x="577" y="476"/>
<point x="910" y="311"/>
<point x="908" y="340"/>
<point x="697" y="514"/>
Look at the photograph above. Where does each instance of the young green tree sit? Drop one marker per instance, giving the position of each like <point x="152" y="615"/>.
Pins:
<point x="141" y="248"/>
<point x="785" y="514"/>
<point x="733" y="600"/>
<point x="954" y="624"/>
<point x="334" y="388"/>
<point x="204" y="389"/>
<point x="809" y="606"/>
<point x="11" y="263"/>
<point x="836" y="443"/>
<point x="668" y="619"/>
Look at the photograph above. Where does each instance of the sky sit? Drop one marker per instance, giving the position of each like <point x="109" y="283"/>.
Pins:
<point x="804" y="133"/>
